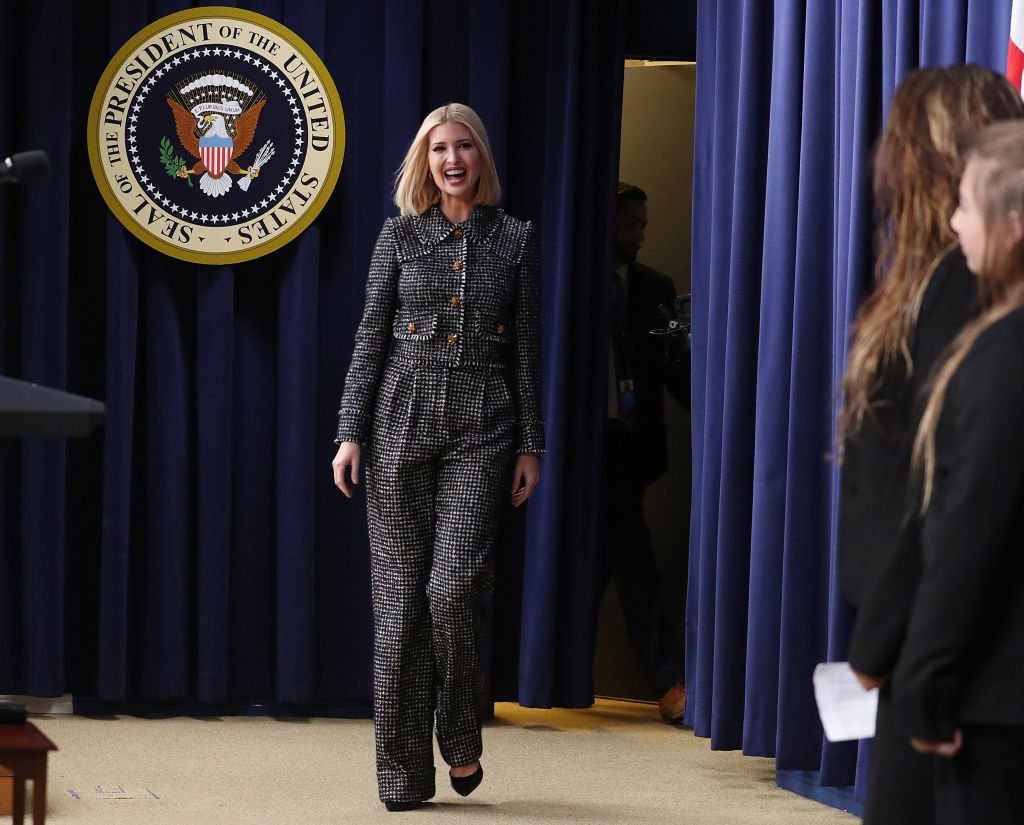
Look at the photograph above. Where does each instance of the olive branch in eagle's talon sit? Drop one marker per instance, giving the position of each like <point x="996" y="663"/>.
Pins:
<point x="174" y="165"/>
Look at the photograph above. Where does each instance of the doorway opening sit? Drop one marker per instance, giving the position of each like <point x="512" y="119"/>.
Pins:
<point x="656" y="154"/>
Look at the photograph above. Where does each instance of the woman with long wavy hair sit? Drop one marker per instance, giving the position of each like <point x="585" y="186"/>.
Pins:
<point x="923" y="297"/>
<point x="959" y="686"/>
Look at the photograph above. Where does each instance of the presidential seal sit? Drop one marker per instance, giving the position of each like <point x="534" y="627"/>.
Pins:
<point x="216" y="135"/>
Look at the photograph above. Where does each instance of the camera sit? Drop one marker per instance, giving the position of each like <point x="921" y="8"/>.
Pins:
<point x="677" y="318"/>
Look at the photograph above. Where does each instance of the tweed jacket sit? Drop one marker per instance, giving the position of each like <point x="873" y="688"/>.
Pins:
<point x="450" y="295"/>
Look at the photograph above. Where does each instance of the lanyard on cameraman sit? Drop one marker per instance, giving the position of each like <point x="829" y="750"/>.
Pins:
<point x="622" y="350"/>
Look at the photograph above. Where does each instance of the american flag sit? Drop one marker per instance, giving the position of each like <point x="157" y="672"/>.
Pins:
<point x="1015" y="51"/>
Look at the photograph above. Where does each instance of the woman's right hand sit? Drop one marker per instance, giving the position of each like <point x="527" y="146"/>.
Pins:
<point x="346" y="459"/>
<point x="869" y="682"/>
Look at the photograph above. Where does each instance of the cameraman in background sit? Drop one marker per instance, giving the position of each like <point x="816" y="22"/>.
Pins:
<point x="649" y="352"/>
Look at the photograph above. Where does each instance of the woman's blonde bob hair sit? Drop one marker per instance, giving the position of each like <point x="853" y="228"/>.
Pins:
<point x="415" y="190"/>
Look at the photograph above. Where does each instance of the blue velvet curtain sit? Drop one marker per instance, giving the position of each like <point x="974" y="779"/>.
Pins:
<point x="790" y="99"/>
<point x="196" y="551"/>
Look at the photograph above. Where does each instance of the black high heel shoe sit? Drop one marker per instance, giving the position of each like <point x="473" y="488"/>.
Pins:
<point x="465" y="785"/>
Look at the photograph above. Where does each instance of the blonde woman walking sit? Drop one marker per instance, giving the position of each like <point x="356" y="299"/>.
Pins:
<point x="441" y="409"/>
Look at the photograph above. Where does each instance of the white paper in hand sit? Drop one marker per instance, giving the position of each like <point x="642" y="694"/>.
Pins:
<point x="847" y="711"/>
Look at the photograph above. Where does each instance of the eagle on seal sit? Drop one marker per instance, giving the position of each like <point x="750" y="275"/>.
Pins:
<point x="216" y="129"/>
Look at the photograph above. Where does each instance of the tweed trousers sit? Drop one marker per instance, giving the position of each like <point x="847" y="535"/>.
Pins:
<point x="437" y="471"/>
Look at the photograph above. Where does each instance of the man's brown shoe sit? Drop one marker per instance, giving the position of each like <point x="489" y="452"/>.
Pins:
<point x="673" y="703"/>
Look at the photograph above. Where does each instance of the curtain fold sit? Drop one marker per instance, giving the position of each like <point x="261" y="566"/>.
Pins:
<point x="33" y="475"/>
<point x="214" y="308"/>
<point x="782" y="257"/>
<point x="567" y="87"/>
<point x="196" y="552"/>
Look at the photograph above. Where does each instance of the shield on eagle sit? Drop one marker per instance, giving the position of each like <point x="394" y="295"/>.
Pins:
<point x="215" y="152"/>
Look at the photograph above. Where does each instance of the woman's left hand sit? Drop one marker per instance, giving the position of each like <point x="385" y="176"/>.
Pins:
<point x="525" y="477"/>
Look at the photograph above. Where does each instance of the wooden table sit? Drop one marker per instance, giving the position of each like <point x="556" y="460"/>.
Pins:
<point x="23" y="749"/>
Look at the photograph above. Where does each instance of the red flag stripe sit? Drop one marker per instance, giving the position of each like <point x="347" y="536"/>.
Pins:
<point x="1015" y="50"/>
<point x="1014" y="65"/>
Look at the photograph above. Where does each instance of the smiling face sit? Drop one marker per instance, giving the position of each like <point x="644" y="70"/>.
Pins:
<point x="454" y="161"/>
<point x="968" y="221"/>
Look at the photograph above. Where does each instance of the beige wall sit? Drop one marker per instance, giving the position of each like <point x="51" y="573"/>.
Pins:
<point x="657" y="155"/>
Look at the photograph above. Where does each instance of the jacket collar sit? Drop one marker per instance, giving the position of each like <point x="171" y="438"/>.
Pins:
<point x="432" y="226"/>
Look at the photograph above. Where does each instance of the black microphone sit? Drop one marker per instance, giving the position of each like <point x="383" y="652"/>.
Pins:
<point x="24" y="166"/>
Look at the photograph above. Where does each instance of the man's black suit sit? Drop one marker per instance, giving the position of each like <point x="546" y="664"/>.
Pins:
<point x="636" y="455"/>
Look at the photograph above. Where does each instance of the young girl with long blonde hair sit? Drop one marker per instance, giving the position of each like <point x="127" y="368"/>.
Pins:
<point x="924" y="296"/>
<point x="959" y="684"/>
